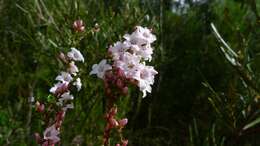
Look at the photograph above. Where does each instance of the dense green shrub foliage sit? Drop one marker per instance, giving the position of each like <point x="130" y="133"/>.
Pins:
<point x="200" y="98"/>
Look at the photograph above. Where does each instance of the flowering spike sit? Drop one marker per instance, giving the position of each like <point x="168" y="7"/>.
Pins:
<point x="127" y="64"/>
<point x="62" y="91"/>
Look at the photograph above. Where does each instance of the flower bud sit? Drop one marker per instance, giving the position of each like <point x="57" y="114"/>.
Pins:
<point x="78" y="26"/>
<point x="60" y="115"/>
<point x="113" y="111"/>
<point x="96" y="28"/>
<point x="63" y="58"/>
<point x="120" y="72"/>
<point x="62" y="89"/>
<point x="124" y="142"/>
<point x="105" y="141"/>
<point x="38" y="138"/>
<point x="125" y="91"/>
<point x="123" y="122"/>
<point x="119" y="83"/>
<point x="113" y="122"/>
<point x="39" y="107"/>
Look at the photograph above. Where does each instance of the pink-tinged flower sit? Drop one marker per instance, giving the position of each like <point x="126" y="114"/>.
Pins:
<point x="118" y="144"/>
<point x="73" y="69"/>
<point x="51" y="134"/>
<point x="59" y="88"/>
<point x="134" y="49"/>
<point x="101" y="68"/>
<point x="64" y="77"/>
<point x="141" y="36"/>
<point x="145" y="77"/>
<point x="78" y="84"/>
<point x="75" y="55"/>
<point x="118" y="49"/>
<point x="130" y="59"/>
<point x="123" y="122"/>
<point x="127" y="62"/>
<point x="78" y="26"/>
<point x="146" y="52"/>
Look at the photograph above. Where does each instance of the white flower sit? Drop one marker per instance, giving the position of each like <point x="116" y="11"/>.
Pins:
<point x="68" y="106"/>
<point x="60" y="86"/>
<point x="145" y="77"/>
<point x="73" y="69"/>
<point x="51" y="133"/>
<point x="64" y="77"/>
<point x="77" y="83"/>
<point x="119" y="48"/>
<point x="66" y="96"/>
<point x="101" y="68"/>
<point x="130" y="59"/>
<point x="146" y="52"/>
<point x="75" y="55"/>
<point x="141" y="36"/>
<point x="134" y="48"/>
<point x="144" y="87"/>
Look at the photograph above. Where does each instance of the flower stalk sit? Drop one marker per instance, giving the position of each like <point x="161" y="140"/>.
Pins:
<point x="126" y="65"/>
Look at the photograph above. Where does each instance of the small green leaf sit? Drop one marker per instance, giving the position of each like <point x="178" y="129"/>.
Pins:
<point x="50" y="98"/>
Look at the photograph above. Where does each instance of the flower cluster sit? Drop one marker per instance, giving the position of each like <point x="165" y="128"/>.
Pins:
<point x="63" y="97"/>
<point x="67" y="78"/>
<point x="130" y="57"/>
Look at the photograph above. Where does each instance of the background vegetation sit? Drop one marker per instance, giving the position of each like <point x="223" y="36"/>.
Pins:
<point x="199" y="99"/>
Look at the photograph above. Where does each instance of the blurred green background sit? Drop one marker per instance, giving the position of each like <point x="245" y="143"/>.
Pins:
<point x="199" y="98"/>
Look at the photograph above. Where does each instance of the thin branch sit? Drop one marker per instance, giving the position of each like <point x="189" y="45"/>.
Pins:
<point x="221" y="40"/>
<point x="232" y="57"/>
